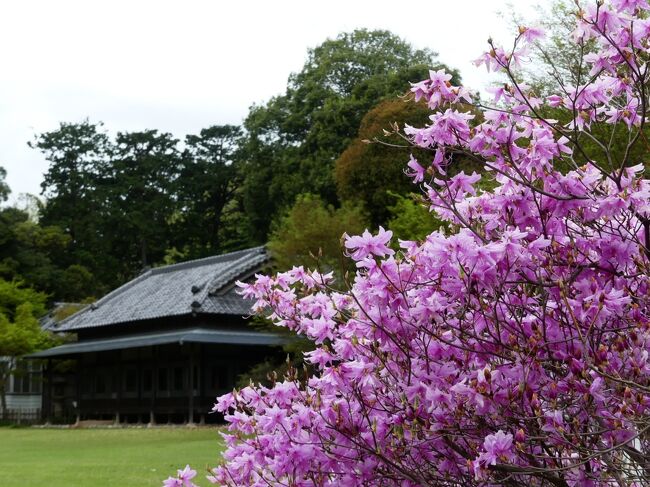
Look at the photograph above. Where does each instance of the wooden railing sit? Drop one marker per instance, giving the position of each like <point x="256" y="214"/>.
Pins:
<point x="21" y="416"/>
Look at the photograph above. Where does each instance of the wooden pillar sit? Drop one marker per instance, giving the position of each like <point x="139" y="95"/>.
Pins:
<point x="48" y="403"/>
<point x="202" y="376"/>
<point x="190" y="384"/>
<point x="139" y="377"/>
<point x="154" y="385"/>
<point x="118" y="385"/>
<point x="78" y="389"/>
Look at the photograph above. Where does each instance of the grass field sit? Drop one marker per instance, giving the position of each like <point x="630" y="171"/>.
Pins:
<point x="103" y="457"/>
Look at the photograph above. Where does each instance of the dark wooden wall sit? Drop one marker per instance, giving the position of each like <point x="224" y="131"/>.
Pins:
<point x="168" y="383"/>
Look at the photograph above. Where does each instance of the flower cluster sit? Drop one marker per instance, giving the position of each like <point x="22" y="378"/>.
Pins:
<point x="183" y="478"/>
<point x="515" y="349"/>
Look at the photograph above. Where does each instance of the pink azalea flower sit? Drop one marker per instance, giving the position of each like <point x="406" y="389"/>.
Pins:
<point x="186" y="475"/>
<point x="531" y="34"/>
<point x="439" y="161"/>
<point x="605" y="19"/>
<point x="172" y="482"/>
<point x="367" y="244"/>
<point x="630" y="5"/>
<point x="417" y="171"/>
<point x="497" y="92"/>
<point x="498" y="447"/>
<point x="464" y="183"/>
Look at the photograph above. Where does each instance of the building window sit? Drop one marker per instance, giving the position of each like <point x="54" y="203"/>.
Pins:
<point x="26" y="378"/>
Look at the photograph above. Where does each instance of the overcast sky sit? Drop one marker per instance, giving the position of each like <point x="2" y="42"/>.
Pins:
<point x="180" y="66"/>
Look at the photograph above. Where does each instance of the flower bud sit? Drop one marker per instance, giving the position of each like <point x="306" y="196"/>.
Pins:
<point x="601" y="355"/>
<point x="534" y="402"/>
<point x="576" y="367"/>
<point x="520" y="436"/>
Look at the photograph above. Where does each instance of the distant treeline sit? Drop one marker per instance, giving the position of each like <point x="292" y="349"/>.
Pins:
<point x="113" y="205"/>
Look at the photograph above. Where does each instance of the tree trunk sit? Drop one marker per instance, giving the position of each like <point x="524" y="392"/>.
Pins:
<point x="143" y="252"/>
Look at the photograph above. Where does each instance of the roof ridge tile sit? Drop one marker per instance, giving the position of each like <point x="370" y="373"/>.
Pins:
<point x="213" y="259"/>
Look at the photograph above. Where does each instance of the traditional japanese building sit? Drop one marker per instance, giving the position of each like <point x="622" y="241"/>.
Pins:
<point x="159" y="348"/>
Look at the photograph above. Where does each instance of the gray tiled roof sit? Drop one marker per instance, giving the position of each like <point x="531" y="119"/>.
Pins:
<point x="202" y="286"/>
<point x="50" y="321"/>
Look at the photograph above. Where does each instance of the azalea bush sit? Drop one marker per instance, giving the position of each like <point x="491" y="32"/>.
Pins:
<point x="511" y="349"/>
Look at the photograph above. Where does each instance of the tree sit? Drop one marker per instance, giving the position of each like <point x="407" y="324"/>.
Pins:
<point x="310" y="234"/>
<point x="76" y="152"/>
<point x="370" y="167"/>
<point x="512" y="350"/>
<point x="79" y="158"/>
<point x="20" y="332"/>
<point x="293" y="140"/>
<point x="411" y="219"/>
<point x="209" y="179"/>
<point x="116" y="199"/>
<point x="37" y="256"/>
<point x="138" y="186"/>
<point x="4" y="187"/>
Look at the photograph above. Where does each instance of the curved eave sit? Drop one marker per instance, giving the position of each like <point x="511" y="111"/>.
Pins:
<point x="193" y="335"/>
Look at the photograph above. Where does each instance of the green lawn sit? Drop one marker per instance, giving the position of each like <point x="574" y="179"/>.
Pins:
<point x="103" y="457"/>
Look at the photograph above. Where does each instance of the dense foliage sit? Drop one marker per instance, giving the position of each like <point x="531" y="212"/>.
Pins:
<point x="310" y="234"/>
<point x="511" y="349"/>
<point x="371" y="165"/>
<point x="135" y="200"/>
<point x="127" y="201"/>
<point x="293" y="140"/>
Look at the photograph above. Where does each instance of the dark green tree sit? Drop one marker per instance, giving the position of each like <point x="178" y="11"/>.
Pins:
<point x="209" y="178"/>
<point x="5" y="191"/>
<point x="37" y="256"/>
<point x="410" y="218"/>
<point x="293" y="140"/>
<point x="138" y="188"/>
<point x="77" y="153"/>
